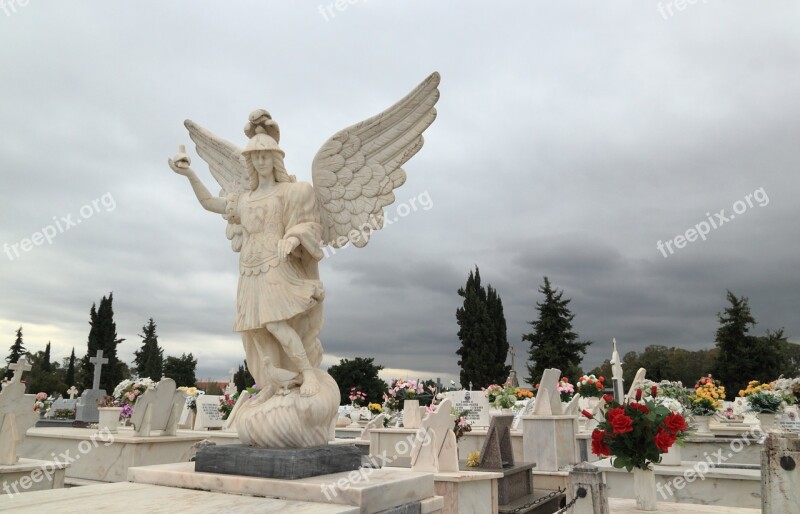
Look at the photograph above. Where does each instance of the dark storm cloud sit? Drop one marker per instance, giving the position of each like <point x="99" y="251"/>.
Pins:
<point x="571" y="138"/>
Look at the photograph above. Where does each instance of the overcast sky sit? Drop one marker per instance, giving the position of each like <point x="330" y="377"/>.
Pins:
<point x="571" y="138"/>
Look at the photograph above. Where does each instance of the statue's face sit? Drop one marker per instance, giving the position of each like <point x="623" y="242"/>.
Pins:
<point x="262" y="162"/>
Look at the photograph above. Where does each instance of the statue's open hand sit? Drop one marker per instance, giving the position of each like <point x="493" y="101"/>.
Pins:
<point x="180" y="162"/>
<point x="287" y="246"/>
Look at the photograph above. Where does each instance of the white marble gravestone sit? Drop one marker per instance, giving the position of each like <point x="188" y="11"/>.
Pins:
<point x="158" y="409"/>
<point x="208" y="414"/>
<point x="434" y="447"/>
<point x="475" y="401"/>
<point x="87" y="404"/>
<point x="16" y="413"/>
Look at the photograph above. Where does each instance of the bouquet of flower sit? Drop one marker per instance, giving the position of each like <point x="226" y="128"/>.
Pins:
<point x="226" y="404"/>
<point x="375" y="408"/>
<point x="763" y="398"/>
<point x="108" y="401"/>
<point x="502" y="397"/>
<point x="128" y="391"/>
<point x="674" y="390"/>
<point x="637" y="433"/>
<point x="191" y="396"/>
<point x="566" y="389"/>
<point x="401" y="390"/>
<point x="357" y="397"/>
<point x="42" y="403"/>
<point x="524" y="394"/>
<point x="707" y="397"/>
<point x="590" y="386"/>
<point x="460" y="426"/>
<point x="790" y="387"/>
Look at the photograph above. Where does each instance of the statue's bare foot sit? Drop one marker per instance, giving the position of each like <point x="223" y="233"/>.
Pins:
<point x="310" y="385"/>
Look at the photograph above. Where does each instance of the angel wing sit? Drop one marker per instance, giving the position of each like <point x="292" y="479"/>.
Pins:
<point x="356" y="171"/>
<point x="227" y="166"/>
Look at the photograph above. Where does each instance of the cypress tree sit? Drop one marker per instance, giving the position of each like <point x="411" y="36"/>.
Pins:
<point x="70" y="376"/>
<point x="46" y="366"/>
<point x="149" y="360"/>
<point x="553" y="344"/>
<point x="482" y="328"/>
<point x="103" y="336"/>
<point x="16" y="351"/>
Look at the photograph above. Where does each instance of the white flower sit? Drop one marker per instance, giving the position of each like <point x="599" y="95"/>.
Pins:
<point x="671" y="403"/>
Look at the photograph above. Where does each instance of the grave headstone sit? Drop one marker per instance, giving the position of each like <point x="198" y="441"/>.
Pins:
<point x="527" y="410"/>
<point x="16" y="413"/>
<point x="497" y="452"/>
<point x="434" y="447"/>
<point x="158" y="409"/>
<point x="208" y="414"/>
<point x="475" y="401"/>
<point x="87" y="404"/>
<point x="62" y="404"/>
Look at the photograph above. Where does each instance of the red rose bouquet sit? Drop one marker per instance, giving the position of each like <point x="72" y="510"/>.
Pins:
<point x="636" y="434"/>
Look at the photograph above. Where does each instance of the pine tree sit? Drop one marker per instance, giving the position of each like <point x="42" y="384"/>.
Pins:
<point x="361" y="373"/>
<point x="743" y="357"/>
<point x="46" y="366"/>
<point x="16" y="351"/>
<point x="243" y="379"/>
<point x="553" y="344"/>
<point x="103" y="336"/>
<point x="149" y="360"/>
<point x="70" y="376"/>
<point x="183" y="370"/>
<point x="482" y="329"/>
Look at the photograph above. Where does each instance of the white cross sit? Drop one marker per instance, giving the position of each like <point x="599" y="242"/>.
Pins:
<point x="72" y="391"/>
<point x="98" y="362"/>
<point x="232" y="372"/>
<point x="19" y="367"/>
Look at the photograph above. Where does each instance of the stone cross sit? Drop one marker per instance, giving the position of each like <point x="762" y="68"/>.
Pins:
<point x="98" y="362"/>
<point x="19" y="367"/>
<point x="513" y="352"/>
<point x="72" y="391"/>
<point x="616" y="374"/>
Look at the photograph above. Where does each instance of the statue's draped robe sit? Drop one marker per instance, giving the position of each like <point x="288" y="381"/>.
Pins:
<point x="272" y="290"/>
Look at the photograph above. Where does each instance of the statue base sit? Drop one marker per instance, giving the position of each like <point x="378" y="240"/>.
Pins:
<point x="270" y="463"/>
<point x="289" y="420"/>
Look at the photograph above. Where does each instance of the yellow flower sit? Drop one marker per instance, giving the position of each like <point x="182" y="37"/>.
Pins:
<point x="473" y="459"/>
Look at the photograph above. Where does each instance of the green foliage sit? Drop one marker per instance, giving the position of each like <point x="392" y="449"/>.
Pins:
<point x="103" y="336"/>
<point x="181" y="369"/>
<point x="16" y="351"/>
<point x="41" y="381"/>
<point x="662" y="363"/>
<point x="243" y="379"/>
<point x="69" y="378"/>
<point x="149" y="360"/>
<point x="46" y="366"/>
<point x="361" y="373"/>
<point x="553" y="344"/>
<point x="482" y="331"/>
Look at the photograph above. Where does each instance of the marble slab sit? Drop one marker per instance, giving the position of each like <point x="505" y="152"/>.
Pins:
<point x="152" y="498"/>
<point x="373" y="490"/>
<point x="621" y="506"/>
<point x="724" y="487"/>
<point x="103" y="456"/>
<point x="29" y="475"/>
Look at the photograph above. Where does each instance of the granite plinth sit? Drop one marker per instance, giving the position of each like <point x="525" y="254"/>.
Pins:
<point x="516" y="482"/>
<point x="277" y="463"/>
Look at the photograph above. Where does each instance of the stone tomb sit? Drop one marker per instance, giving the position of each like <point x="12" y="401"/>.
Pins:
<point x="475" y="401"/>
<point x="158" y="409"/>
<point x="208" y="414"/>
<point x="87" y="404"/>
<point x="16" y="418"/>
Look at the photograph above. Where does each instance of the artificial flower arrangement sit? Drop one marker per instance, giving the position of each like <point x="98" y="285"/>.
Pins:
<point x="375" y="408"/>
<point x="357" y="398"/>
<point x="128" y="391"/>
<point x="590" y="386"/>
<point x="790" y="387"/>
<point x="636" y="434"/>
<point x="524" y="394"/>
<point x="42" y="403"/>
<point x="401" y="390"/>
<point x="460" y="425"/>
<point x="108" y="401"/>
<point x="763" y="399"/>
<point x="226" y="402"/>
<point x="565" y="389"/>
<point x="191" y="396"/>
<point x="707" y="397"/>
<point x="501" y="396"/>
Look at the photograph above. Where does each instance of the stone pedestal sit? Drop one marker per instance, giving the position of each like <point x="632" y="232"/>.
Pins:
<point x="550" y="441"/>
<point x="780" y="481"/>
<point x="106" y="457"/>
<point x="468" y="491"/>
<point x="365" y="490"/>
<point x="277" y="463"/>
<point x="29" y="475"/>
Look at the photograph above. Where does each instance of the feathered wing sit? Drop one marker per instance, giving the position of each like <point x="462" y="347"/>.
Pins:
<point x="227" y="165"/>
<point x="356" y="171"/>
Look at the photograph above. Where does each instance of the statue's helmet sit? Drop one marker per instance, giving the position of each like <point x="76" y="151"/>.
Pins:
<point x="262" y="142"/>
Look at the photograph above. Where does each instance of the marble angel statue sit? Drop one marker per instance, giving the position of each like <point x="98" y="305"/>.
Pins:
<point x="279" y="227"/>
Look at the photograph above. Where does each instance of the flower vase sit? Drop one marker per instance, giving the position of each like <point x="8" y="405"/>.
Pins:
<point x="767" y="421"/>
<point x="703" y="423"/>
<point x="644" y="488"/>
<point x="109" y="418"/>
<point x="355" y="416"/>
<point x="411" y="415"/>
<point x="672" y="457"/>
